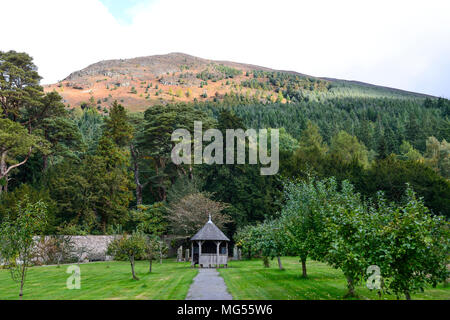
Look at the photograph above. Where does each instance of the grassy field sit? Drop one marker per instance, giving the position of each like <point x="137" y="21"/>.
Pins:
<point x="245" y="280"/>
<point x="250" y="280"/>
<point x="104" y="280"/>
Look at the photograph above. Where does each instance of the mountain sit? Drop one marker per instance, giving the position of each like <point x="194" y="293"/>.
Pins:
<point x="175" y="77"/>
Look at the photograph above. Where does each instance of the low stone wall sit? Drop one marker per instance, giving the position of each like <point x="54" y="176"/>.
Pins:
<point x="72" y="249"/>
<point x="94" y="247"/>
<point x="82" y="248"/>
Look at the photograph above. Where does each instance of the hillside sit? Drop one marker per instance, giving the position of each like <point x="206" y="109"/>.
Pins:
<point x="144" y="81"/>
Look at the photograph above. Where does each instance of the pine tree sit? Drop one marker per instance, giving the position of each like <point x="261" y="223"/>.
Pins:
<point x="117" y="126"/>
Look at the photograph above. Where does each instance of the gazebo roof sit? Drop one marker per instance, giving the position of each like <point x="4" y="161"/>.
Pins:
<point x="210" y="232"/>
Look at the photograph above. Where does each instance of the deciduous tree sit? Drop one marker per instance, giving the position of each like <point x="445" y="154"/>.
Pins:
<point x="131" y="246"/>
<point x="17" y="238"/>
<point x="190" y="214"/>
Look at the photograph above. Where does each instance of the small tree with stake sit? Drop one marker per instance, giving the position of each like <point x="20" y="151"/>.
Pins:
<point x="131" y="246"/>
<point x="162" y="247"/>
<point x="244" y="239"/>
<point x="152" y="249"/>
<point x="258" y="242"/>
<point x="16" y="238"/>
<point x="275" y="240"/>
<point x="265" y="239"/>
<point x="150" y="221"/>
<point x="303" y="218"/>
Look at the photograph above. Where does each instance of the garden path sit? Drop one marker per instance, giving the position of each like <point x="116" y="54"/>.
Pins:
<point x="208" y="285"/>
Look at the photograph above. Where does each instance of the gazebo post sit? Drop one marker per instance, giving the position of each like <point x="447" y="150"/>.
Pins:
<point x="192" y="254"/>
<point x="199" y="252"/>
<point x="218" y="247"/>
<point x="226" y="250"/>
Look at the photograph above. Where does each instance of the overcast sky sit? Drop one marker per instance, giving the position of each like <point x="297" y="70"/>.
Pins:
<point x="401" y="44"/>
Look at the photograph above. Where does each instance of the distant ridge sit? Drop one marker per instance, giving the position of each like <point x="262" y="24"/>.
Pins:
<point x="179" y="77"/>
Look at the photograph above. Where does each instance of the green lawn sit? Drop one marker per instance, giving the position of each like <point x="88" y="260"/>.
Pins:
<point x="104" y="280"/>
<point x="250" y="280"/>
<point x="171" y="280"/>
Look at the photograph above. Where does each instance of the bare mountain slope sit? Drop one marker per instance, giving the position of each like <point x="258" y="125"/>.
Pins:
<point x="140" y="82"/>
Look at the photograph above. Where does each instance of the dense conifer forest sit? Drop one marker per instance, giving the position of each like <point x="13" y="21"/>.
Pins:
<point x="99" y="171"/>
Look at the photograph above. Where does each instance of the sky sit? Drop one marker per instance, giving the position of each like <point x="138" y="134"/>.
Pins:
<point x="400" y="44"/>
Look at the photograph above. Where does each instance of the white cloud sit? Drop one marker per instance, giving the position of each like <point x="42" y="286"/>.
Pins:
<point x="402" y="44"/>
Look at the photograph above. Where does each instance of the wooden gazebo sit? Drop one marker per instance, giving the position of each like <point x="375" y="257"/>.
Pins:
<point x="209" y="247"/>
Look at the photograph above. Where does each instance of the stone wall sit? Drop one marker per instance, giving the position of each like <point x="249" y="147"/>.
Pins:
<point x="94" y="247"/>
<point x="72" y="249"/>
<point x="88" y="248"/>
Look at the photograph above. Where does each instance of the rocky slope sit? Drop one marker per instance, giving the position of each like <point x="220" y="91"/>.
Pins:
<point x="140" y="82"/>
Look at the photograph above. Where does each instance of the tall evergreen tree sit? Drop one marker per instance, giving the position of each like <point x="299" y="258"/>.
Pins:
<point x="117" y="126"/>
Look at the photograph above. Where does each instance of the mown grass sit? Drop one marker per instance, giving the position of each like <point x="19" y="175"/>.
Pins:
<point x="104" y="280"/>
<point x="246" y="280"/>
<point x="249" y="280"/>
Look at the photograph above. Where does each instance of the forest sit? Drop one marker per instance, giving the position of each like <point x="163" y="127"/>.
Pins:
<point x="100" y="172"/>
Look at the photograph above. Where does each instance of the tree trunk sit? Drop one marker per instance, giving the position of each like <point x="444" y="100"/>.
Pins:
<point x="132" y="268"/>
<point x="160" y="164"/>
<point x="150" y="265"/>
<point x="279" y="263"/>
<point x="4" y="170"/>
<point x="139" y="186"/>
<point x="191" y="175"/>
<point x="21" y="290"/>
<point x="138" y="194"/>
<point x="266" y="262"/>
<point x="407" y="295"/>
<point x="446" y="278"/>
<point x="162" y="191"/>
<point x="351" y="287"/>
<point x="304" y="274"/>
<point x="22" y="280"/>
<point x="45" y="162"/>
